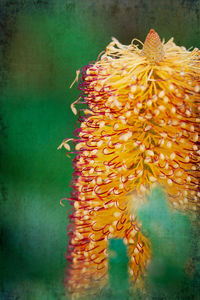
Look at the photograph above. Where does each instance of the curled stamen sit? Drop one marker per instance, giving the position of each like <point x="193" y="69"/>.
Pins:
<point x="65" y="144"/>
<point x="76" y="79"/>
<point x="73" y="106"/>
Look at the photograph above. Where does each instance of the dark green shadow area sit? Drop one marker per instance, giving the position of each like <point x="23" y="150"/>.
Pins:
<point x="174" y="270"/>
<point x="118" y="283"/>
<point x="118" y="268"/>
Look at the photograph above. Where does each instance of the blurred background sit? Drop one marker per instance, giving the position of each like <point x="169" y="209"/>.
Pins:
<point x="42" y="44"/>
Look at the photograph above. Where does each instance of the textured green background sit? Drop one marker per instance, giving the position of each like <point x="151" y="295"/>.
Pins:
<point x="42" y="44"/>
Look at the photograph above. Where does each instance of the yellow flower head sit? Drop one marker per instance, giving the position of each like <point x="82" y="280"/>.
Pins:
<point x="140" y="130"/>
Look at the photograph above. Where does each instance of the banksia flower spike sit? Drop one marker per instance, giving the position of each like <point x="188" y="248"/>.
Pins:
<point x="140" y="129"/>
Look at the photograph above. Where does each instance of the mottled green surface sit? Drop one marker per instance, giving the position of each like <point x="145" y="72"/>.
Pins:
<point x="42" y="44"/>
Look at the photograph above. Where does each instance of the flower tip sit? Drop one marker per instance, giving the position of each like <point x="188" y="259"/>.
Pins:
<point x="152" y="31"/>
<point x="153" y="35"/>
<point x="153" y="47"/>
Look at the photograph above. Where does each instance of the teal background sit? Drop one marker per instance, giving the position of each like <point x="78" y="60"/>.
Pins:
<point x="42" y="44"/>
